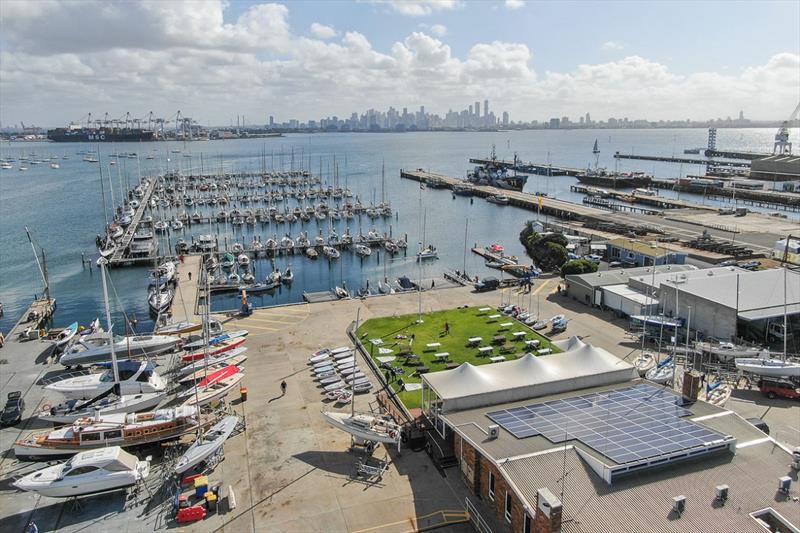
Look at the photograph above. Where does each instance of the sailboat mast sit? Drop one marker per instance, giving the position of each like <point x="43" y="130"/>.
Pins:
<point x="39" y="264"/>
<point x="103" y="262"/>
<point x="785" y="314"/>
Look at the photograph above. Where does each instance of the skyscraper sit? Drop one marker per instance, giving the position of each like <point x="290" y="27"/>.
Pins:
<point x="505" y="118"/>
<point x="477" y="109"/>
<point x="486" y="108"/>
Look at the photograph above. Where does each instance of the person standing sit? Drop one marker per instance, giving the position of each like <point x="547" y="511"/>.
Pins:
<point x="283" y="388"/>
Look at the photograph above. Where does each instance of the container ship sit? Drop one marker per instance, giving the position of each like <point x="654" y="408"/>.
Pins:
<point x="76" y="133"/>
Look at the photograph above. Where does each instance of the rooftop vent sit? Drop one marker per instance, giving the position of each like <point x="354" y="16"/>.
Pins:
<point x="722" y="493"/>
<point x="784" y="483"/>
<point x="494" y="431"/>
<point x="679" y="504"/>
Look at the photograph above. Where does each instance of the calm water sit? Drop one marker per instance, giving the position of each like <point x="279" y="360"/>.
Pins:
<point x="63" y="208"/>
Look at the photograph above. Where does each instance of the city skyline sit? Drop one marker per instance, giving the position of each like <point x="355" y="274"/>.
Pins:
<point x="214" y="60"/>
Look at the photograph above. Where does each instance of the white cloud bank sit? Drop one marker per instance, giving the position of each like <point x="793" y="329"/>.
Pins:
<point x="515" y="4"/>
<point x="64" y="59"/>
<point x="418" y="8"/>
<point x="612" y="45"/>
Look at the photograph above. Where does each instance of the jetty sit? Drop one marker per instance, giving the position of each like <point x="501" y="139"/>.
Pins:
<point x="684" y="160"/>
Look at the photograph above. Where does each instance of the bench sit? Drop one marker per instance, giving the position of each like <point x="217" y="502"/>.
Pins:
<point x="493" y="318"/>
<point x="532" y="343"/>
<point x="451" y="366"/>
<point x="484" y="310"/>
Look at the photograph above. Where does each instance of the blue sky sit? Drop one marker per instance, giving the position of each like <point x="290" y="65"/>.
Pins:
<point x="216" y="59"/>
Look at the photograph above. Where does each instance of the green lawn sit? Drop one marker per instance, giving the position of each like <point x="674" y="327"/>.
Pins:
<point x="464" y="323"/>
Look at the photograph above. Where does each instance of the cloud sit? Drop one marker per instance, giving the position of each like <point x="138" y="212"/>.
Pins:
<point x="440" y="30"/>
<point x="322" y="31"/>
<point x="418" y="8"/>
<point x="612" y="45"/>
<point x="515" y="4"/>
<point x="60" y="60"/>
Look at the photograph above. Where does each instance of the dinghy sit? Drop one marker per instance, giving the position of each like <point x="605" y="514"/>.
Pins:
<point x="214" y="391"/>
<point x="662" y="373"/>
<point x="215" y="360"/>
<point x="211" y="369"/>
<point x="215" y="350"/>
<point x="213" y="341"/>
<point x="644" y="362"/>
<point x="66" y="335"/>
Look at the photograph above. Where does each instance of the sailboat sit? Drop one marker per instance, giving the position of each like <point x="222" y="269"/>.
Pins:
<point x="103" y="405"/>
<point x="90" y="472"/>
<point x="133" y="377"/>
<point x="365" y="427"/>
<point x="207" y="444"/>
<point x="763" y="366"/>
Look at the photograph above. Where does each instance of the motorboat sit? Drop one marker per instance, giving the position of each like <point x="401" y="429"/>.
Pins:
<point x="243" y="259"/>
<point x="644" y="362"/>
<point x="217" y="339"/>
<point x="163" y="274"/>
<point x="160" y="298"/>
<point x="429" y="252"/>
<point x="499" y="199"/>
<point x="331" y="252"/>
<point x="768" y="367"/>
<point x="311" y="253"/>
<point x="362" y="250"/>
<point x="365" y="427"/>
<point x="178" y="328"/>
<point x="385" y="288"/>
<point x="287" y="277"/>
<point x="66" y="335"/>
<point x="213" y="350"/>
<point x="108" y="248"/>
<point x="341" y="292"/>
<point x="391" y="247"/>
<point x="71" y="410"/>
<point x="213" y="360"/>
<point x="214" y="391"/>
<point x="176" y="225"/>
<point x="120" y="429"/>
<point x="227" y="261"/>
<point x="135" y="377"/>
<point x="90" y="472"/>
<point x="662" y="372"/>
<point x="207" y="444"/>
<point x="96" y="348"/>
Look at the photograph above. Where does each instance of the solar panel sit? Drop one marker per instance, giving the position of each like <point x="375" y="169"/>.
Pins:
<point x="625" y="425"/>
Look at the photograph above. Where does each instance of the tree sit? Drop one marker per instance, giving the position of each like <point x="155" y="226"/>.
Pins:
<point x="578" y="266"/>
<point x="548" y="250"/>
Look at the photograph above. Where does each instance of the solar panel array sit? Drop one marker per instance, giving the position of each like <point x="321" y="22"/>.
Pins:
<point x="625" y="425"/>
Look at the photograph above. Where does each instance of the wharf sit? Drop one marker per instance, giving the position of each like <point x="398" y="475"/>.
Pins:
<point x="655" y="201"/>
<point x="121" y="255"/>
<point x="528" y="167"/>
<point x="769" y="199"/>
<point x="685" y="160"/>
<point x="735" y="155"/>
<point x="542" y="204"/>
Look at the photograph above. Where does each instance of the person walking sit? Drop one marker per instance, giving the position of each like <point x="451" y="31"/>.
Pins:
<point x="190" y="276"/>
<point x="283" y="388"/>
<point x="447" y="328"/>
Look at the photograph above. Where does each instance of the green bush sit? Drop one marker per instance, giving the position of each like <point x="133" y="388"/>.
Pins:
<point x="548" y="251"/>
<point x="578" y="266"/>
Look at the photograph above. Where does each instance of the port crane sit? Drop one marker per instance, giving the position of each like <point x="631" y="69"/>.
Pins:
<point x="782" y="145"/>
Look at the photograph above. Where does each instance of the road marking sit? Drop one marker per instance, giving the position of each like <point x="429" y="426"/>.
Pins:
<point x="542" y="286"/>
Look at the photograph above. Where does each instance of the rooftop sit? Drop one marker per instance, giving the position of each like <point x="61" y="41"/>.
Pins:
<point x="641" y="247"/>
<point x="631" y="294"/>
<point x="621" y="276"/>
<point x="660" y="277"/>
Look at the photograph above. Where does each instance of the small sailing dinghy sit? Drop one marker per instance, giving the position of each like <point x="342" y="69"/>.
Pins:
<point x="365" y="427"/>
<point x="207" y="444"/>
<point x="211" y="369"/>
<point x="216" y="350"/>
<point x="663" y="372"/>
<point x="66" y="335"/>
<point x="227" y="336"/>
<point x="213" y="391"/>
<point x="644" y="362"/>
<point x="211" y="361"/>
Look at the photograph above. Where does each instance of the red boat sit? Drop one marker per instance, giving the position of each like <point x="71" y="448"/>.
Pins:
<point x="219" y="375"/>
<point x="214" y="350"/>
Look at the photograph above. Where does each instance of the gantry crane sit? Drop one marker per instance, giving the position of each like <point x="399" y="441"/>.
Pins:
<point x="782" y="145"/>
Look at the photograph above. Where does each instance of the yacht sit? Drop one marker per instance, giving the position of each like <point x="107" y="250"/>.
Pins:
<point x="125" y="430"/>
<point x="207" y="444"/>
<point x="499" y="199"/>
<point x="134" y="378"/>
<point x="429" y="252"/>
<point x="365" y="427"/>
<point x="106" y="404"/>
<point x="160" y="298"/>
<point x="331" y="252"/>
<point x="90" y="472"/>
<point x="96" y="348"/>
<point x="768" y="367"/>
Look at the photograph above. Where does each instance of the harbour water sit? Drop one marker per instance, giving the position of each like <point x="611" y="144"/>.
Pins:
<point x="63" y="208"/>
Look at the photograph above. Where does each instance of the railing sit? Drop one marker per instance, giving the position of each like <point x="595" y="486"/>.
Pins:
<point x="475" y="518"/>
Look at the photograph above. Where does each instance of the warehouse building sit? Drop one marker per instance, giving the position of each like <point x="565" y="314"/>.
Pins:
<point x="779" y="167"/>
<point x="587" y="288"/>
<point x="548" y="445"/>
<point x="638" y="254"/>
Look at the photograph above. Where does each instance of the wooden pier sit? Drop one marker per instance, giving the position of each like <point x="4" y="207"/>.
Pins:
<point x="121" y="255"/>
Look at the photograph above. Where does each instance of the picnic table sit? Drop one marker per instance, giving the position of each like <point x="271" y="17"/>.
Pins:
<point x="494" y="317"/>
<point x="498" y="339"/>
<point x="532" y="343"/>
<point x="544" y="351"/>
<point x="484" y="310"/>
<point x="450" y="366"/>
<point x="422" y="369"/>
<point x="431" y="346"/>
<point x="497" y="358"/>
<point x="506" y="325"/>
<point x="474" y="341"/>
<point x="442" y="356"/>
<point x="485" y="350"/>
<point x="506" y="348"/>
<point x="519" y="335"/>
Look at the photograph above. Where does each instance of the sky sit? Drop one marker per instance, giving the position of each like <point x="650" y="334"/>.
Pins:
<point x="214" y="60"/>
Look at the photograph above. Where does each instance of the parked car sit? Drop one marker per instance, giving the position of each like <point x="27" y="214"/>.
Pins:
<point x="487" y="284"/>
<point x="12" y="412"/>
<point x="760" y="424"/>
<point x="776" y="387"/>
<point x="615" y="264"/>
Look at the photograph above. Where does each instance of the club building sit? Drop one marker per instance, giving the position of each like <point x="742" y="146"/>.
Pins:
<point x="577" y="442"/>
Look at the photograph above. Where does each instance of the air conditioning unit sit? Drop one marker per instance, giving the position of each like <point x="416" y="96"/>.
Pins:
<point x="722" y="493"/>
<point x="784" y="483"/>
<point x="679" y="504"/>
<point x="494" y="431"/>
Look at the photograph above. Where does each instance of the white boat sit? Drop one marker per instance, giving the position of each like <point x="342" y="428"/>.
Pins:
<point x="727" y="351"/>
<point x="768" y="367"/>
<point x="365" y="386"/>
<point x="207" y="444"/>
<point x="228" y="335"/>
<point x="108" y="249"/>
<point x="499" y="199"/>
<point x="71" y="410"/>
<point x="341" y="293"/>
<point x="331" y="252"/>
<point x="333" y="385"/>
<point x="177" y="225"/>
<point x="214" y="391"/>
<point x="365" y="427"/>
<point x="134" y="378"/>
<point x="97" y="348"/>
<point x="330" y="379"/>
<point x="644" y="362"/>
<point x="362" y="250"/>
<point x="243" y="259"/>
<point x="340" y="396"/>
<point x="120" y="429"/>
<point x="662" y="373"/>
<point x="66" y="335"/>
<point x="428" y="252"/>
<point x="201" y="372"/>
<point x="717" y="393"/>
<point x="163" y="274"/>
<point x="160" y="298"/>
<point x="90" y="472"/>
<point x="212" y="360"/>
<point x="178" y="328"/>
<point x="287" y="277"/>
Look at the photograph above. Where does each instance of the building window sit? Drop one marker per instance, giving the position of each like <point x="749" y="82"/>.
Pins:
<point x="491" y="486"/>
<point x="508" y="507"/>
<point x="526" y="528"/>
